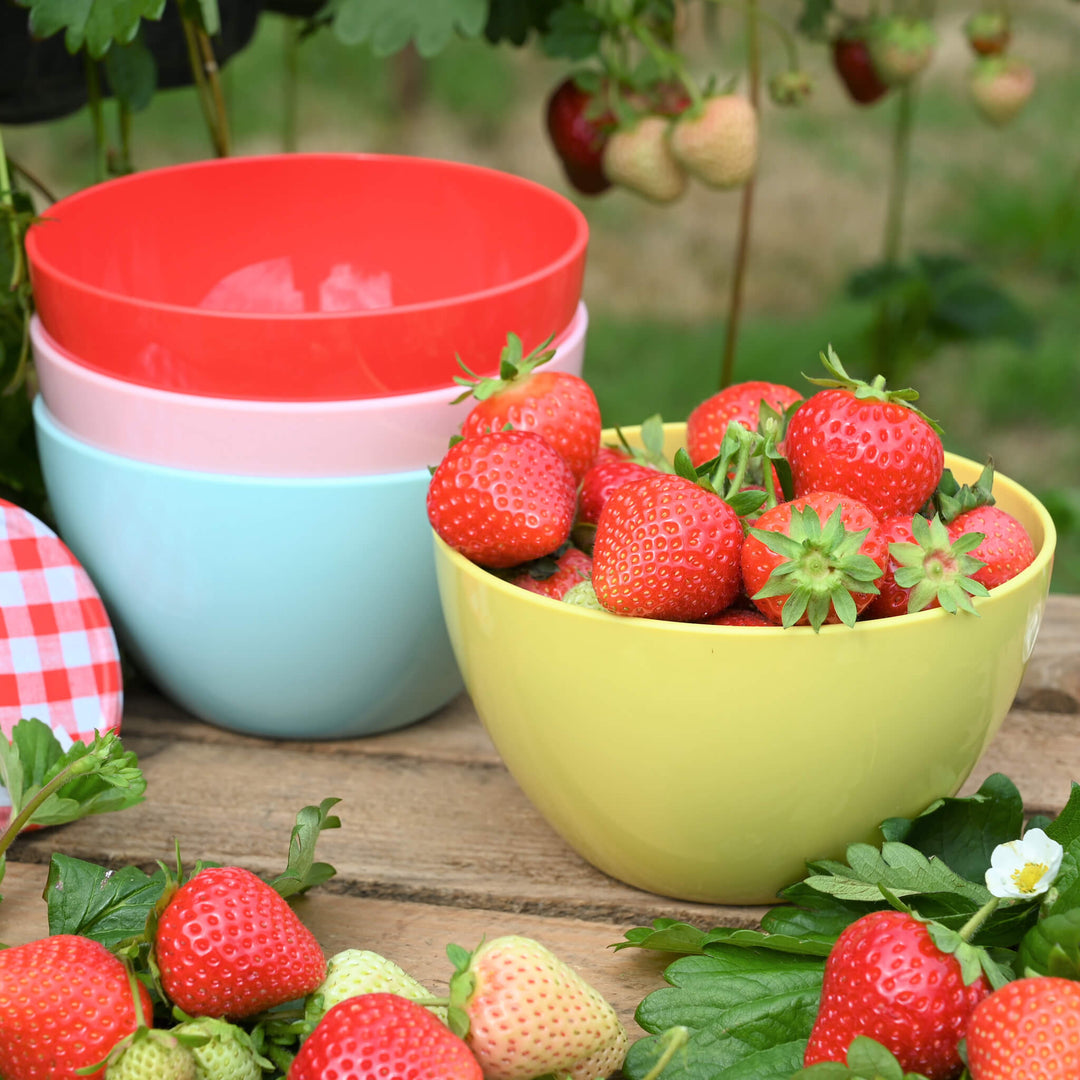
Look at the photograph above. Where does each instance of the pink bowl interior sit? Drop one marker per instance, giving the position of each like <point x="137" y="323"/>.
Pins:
<point x="305" y="276"/>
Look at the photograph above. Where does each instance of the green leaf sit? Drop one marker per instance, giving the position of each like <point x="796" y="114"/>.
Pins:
<point x="302" y="872"/>
<point x="963" y="832"/>
<point x="202" y="13"/>
<point x="757" y="939"/>
<point x="1052" y="946"/>
<point x="387" y="26"/>
<point x="574" y="33"/>
<point x="814" y="19"/>
<point x="514" y="20"/>
<point x="665" y="935"/>
<point x="110" y="907"/>
<point x="866" y="1060"/>
<point x="1065" y="828"/>
<point x="95" y="24"/>
<point x="132" y="74"/>
<point x="902" y="869"/>
<point x="749" y="1013"/>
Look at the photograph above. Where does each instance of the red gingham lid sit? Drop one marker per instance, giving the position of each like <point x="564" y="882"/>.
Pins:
<point x="58" y="655"/>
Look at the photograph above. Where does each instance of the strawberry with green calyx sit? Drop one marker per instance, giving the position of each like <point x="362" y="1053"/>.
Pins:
<point x="1000" y="87"/>
<point x="988" y="32"/>
<point x="901" y="48"/>
<point x="708" y="422"/>
<point x="1026" y="1030"/>
<point x="798" y="571"/>
<point x="210" y="959"/>
<point x="65" y="1003"/>
<point x="638" y="157"/>
<point x="864" y="440"/>
<point x="222" y="1051"/>
<point x="557" y="405"/>
<point x="503" y="498"/>
<point x="378" y="1035"/>
<point x="151" y="1055"/>
<point x="908" y="984"/>
<point x="611" y="469"/>
<point x="716" y="141"/>
<point x="524" y="1013"/>
<point x="359" y="971"/>
<point x="927" y="569"/>
<point x="578" y="124"/>
<point x="790" y="88"/>
<point x="866" y="1060"/>
<point x="951" y="499"/>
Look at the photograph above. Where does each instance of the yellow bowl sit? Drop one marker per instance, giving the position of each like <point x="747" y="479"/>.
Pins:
<point x="709" y="763"/>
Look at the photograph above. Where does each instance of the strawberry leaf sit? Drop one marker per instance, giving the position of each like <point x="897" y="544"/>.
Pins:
<point x="109" y="906"/>
<point x="302" y="872"/>
<point x="95" y="24"/>
<point x="665" y="935"/>
<point x="1052" y="947"/>
<point x="749" y="1013"/>
<point x="866" y="1060"/>
<point x="387" y="26"/>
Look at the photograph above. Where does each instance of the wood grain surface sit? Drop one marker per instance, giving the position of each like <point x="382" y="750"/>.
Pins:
<point x="438" y="844"/>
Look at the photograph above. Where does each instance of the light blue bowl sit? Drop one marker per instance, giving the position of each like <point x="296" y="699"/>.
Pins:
<point x="289" y="608"/>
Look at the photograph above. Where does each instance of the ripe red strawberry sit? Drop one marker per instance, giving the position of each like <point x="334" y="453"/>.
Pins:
<point x="739" y="617"/>
<point x="886" y="978"/>
<point x="1000" y="87"/>
<point x="571" y="567"/>
<point x="228" y="946"/>
<point x="639" y="158"/>
<point x="555" y="404"/>
<point x="862" y="440"/>
<point x="611" y="469"/>
<point x="927" y="568"/>
<point x="901" y="48"/>
<point x="503" y="498"/>
<point x="1026" y="1030"/>
<point x="717" y="141"/>
<point x="851" y="59"/>
<point x="579" y="131"/>
<point x="65" y="1002"/>
<point x="707" y="424"/>
<point x="524" y="1013"/>
<point x="988" y="32"/>
<point x="667" y="548"/>
<point x="814" y="560"/>
<point x="1006" y="548"/>
<point x="376" y="1036"/>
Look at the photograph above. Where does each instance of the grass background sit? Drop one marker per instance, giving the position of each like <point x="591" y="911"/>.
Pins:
<point x="658" y="277"/>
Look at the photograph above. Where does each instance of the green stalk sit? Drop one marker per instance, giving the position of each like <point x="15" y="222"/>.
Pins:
<point x="97" y="119"/>
<point x="7" y="197"/>
<point x="746" y="208"/>
<point x="886" y="345"/>
<point x="290" y="121"/>
<point x="124" y="115"/>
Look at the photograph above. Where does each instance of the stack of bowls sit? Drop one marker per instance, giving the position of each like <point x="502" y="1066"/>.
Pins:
<point x="246" y="370"/>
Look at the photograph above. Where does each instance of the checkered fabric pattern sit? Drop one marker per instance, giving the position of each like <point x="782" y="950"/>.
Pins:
<point x="58" y="654"/>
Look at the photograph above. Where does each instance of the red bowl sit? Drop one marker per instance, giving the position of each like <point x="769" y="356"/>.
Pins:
<point x="305" y="277"/>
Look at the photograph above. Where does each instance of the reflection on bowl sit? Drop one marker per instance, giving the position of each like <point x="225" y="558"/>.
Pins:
<point x="261" y="438"/>
<point x="290" y="608"/>
<point x="305" y="277"/>
<point x="709" y="763"/>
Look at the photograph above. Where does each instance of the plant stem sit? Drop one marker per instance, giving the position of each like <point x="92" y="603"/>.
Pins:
<point x="742" y="243"/>
<point x="33" y="180"/>
<point x="886" y="351"/>
<point x="16" y="825"/>
<point x="217" y="95"/>
<point x="97" y="119"/>
<point x="7" y="198"/>
<point x="291" y="85"/>
<point x="210" y="100"/>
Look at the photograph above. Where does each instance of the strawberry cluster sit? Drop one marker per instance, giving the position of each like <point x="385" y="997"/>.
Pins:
<point x="229" y="961"/>
<point x="780" y="511"/>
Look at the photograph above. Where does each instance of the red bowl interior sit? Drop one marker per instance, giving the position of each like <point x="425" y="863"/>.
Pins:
<point x="305" y="277"/>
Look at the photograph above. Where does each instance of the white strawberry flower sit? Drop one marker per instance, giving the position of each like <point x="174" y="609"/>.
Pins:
<point x="1024" y="868"/>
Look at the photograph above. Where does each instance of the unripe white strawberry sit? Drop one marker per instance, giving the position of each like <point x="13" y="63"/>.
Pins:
<point x="718" y="142"/>
<point x="639" y="158"/>
<point x="151" y="1055"/>
<point x="222" y="1051"/>
<point x="358" y="971"/>
<point x="524" y="1013"/>
<point x="901" y="48"/>
<point x="1000" y="87"/>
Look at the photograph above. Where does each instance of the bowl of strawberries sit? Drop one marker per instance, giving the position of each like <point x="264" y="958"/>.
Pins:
<point x="708" y="652"/>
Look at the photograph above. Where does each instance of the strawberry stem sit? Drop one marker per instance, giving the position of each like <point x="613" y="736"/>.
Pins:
<point x="746" y="207"/>
<point x="971" y="927"/>
<point x="671" y="1041"/>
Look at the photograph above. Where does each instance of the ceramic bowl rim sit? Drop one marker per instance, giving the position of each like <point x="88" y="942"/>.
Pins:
<point x="46" y="422"/>
<point x="574" y="252"/>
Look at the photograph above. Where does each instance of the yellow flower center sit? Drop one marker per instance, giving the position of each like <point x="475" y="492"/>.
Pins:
<point x="1027" y="878"/>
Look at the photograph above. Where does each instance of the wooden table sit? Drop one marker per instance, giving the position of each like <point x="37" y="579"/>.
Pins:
<point x="437" y="843"/>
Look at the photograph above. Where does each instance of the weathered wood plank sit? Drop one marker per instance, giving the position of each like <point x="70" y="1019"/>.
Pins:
<point x="1052" y="680"/>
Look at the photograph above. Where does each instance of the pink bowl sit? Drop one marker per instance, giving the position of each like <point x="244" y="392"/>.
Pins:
<point x="261" y="438"/>
<point x="305" y="277"/>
